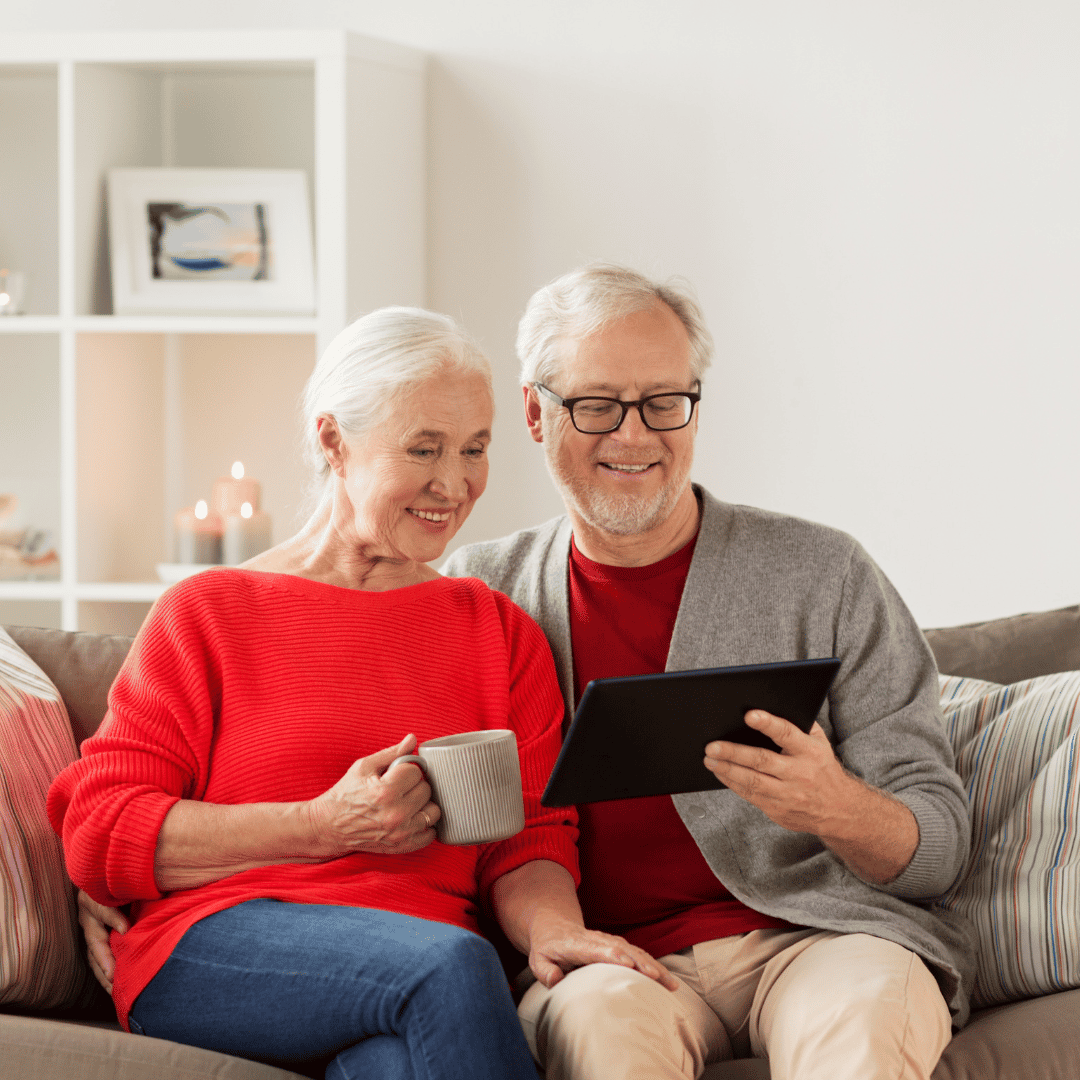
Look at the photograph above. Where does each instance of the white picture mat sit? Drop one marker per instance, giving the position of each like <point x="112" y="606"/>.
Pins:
<point x="291" y="290"/>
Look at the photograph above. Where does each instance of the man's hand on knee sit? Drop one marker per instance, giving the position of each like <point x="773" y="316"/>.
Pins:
<point x="560" y="945"/>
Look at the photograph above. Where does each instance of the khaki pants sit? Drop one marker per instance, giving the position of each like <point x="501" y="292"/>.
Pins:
<point x="816" y="1004"/>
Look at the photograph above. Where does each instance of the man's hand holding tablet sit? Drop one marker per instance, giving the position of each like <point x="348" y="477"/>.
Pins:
<point x="645" y="734"/>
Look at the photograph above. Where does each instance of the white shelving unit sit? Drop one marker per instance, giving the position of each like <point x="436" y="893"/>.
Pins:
<point x="109" y="424"/>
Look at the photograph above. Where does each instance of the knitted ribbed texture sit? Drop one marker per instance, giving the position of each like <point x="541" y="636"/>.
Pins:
<point x="251" y="687"/>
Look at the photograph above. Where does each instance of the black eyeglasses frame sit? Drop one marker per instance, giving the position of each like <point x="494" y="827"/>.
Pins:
<point x="626" y="406"/>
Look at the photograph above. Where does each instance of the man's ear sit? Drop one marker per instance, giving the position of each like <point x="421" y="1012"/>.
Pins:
<point x="532" y="414"/>
<point x="332" y="443"/>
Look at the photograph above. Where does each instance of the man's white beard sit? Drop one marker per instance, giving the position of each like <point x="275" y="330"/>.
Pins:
<point x="620" y="515"/>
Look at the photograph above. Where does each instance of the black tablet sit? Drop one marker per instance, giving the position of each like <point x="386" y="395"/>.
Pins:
<point x="646" y="734"/>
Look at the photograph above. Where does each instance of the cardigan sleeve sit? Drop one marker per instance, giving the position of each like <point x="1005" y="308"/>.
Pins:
<point x="888" y="728"/>
<point x="152" y="750"/>
<point x="536" y="712"/>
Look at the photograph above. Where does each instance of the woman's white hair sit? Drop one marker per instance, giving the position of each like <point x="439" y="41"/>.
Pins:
<point x="373" y="363"/>
<point x="586" y="300"/>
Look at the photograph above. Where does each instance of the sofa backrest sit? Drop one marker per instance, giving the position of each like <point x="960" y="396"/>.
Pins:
<point x="1008" y="650"/>
<point x="84" y="665"/>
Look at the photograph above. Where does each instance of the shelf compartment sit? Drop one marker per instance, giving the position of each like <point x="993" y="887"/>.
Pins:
<point x="30" y="430"/>
<point x="19" y="612"/>
<point x="160" y="418"/>
<point x="112" y="617"/>
<point x="185" y="115"/>
<point x="29" y="180"/>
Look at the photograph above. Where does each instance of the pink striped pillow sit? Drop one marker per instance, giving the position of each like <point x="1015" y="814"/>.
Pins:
<point x="41" y="954"/>
<point x="1018" y="753"/>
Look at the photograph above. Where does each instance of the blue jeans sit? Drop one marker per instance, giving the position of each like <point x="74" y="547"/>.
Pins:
<point x="390" y="995"/>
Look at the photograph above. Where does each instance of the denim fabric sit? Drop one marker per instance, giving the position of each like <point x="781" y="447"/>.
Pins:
<point x="392" y="996"/>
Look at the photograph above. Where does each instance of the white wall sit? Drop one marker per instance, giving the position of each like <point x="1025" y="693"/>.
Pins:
<point x="877" y="204"/>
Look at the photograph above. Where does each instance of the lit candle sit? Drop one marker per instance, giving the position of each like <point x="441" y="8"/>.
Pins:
<point x="246" y="534"/>
<point x="198" y="534"/>
<point x="230" y="493"/>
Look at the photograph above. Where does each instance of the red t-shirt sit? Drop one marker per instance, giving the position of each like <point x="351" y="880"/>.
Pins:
<point x="642" y="874"/>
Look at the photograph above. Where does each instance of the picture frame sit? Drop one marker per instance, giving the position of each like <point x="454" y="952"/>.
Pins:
<point x="210" y="242"/>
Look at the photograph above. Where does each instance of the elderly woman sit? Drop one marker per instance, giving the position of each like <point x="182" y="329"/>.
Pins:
<point x="290" y="901"/>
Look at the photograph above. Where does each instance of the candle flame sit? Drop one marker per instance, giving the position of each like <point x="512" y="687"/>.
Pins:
<point x="238" y="470"/>
<point x="201" y="509"/>
<point x="245" y="510"/>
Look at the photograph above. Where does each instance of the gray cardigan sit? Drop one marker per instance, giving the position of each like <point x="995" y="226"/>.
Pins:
<point x="763" y="587"/>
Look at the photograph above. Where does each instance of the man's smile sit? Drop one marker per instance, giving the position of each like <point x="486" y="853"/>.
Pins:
<point x="625" y="467"/>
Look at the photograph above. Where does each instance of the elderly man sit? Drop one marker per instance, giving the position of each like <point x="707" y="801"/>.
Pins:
<point x="793" y="908"/>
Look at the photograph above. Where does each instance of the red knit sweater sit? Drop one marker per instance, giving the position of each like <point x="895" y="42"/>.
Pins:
<point x="252" y="687"/>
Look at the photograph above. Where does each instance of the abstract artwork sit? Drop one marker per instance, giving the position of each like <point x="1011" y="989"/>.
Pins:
<point x="228" y="242"/>
<point x="210" y="242"/>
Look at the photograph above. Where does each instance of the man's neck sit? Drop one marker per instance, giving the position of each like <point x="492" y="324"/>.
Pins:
<point x="640" y="549"/>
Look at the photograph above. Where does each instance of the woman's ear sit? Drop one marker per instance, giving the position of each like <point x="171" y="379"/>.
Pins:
<point x="332" y="443"/>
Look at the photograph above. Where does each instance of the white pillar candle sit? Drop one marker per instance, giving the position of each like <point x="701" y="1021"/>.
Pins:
<point x="246" y="534"/>
<point x="231" y="492"/>
<point x="198" y="534"/>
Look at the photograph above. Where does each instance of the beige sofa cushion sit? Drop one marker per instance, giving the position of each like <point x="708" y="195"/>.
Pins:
<point x="34" y="1049"/>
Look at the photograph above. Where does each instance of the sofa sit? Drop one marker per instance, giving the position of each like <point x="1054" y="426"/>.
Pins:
<point x="1035" y="1038"/>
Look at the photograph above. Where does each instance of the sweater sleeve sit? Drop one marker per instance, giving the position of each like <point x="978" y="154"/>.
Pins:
<point x="536" y="712"/>
<point x="151" y="751"/>
<point x="888" y="728"/>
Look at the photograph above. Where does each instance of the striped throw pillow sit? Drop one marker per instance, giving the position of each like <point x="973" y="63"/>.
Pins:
<point x="1018" y="752"/>
<point x="41" y="961"/>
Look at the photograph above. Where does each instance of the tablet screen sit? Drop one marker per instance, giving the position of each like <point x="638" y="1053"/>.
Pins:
<point x="646" y="734"/>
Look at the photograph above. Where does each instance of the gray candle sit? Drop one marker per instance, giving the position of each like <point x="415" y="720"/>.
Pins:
<point x="198" y="535"/>
<point x="246" y="534"/>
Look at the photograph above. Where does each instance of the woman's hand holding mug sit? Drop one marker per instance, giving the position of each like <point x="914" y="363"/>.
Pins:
<point x="377" y="806"/>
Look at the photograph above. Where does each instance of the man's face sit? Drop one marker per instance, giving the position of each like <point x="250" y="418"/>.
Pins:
<point x="624" y="482"/>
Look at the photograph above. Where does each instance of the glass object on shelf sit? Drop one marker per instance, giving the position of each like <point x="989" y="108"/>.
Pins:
<point x="12" y="292"/>
<point x="25" y="552"/>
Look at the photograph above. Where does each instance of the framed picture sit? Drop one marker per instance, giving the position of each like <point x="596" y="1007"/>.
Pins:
<point x="210" y="242"/>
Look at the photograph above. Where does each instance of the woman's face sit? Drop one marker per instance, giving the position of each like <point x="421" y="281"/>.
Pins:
<point x="412" y="480"/>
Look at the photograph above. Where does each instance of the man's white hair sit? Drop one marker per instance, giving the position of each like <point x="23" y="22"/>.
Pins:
<point x="586" y="300"/>
<point x="373" y="363"/>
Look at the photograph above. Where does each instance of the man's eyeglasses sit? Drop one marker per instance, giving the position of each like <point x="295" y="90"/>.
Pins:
<point x="597" y="415"/>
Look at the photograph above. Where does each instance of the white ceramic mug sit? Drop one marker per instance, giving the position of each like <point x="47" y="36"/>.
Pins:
<point x="475" y="781"/>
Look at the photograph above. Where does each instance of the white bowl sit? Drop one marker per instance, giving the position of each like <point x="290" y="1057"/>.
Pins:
<point x="171" y="572"/>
